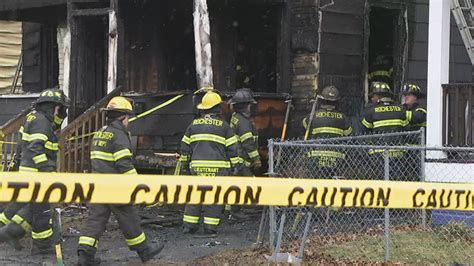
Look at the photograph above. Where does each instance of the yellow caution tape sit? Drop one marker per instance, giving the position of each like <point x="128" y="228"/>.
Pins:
<point x="170" y="101"/>
<point x="152" y="189"/>
<point x="81" y="136"/>
<point x="8" y="142"/>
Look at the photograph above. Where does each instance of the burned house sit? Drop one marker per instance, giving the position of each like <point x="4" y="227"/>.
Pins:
<point x="148" y="50"/>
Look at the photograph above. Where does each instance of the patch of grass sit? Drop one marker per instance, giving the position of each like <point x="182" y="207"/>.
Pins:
<point x="406" y="247"/>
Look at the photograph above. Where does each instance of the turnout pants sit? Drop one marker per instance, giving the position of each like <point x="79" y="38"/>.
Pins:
<point x="129" y="223"/>
<point x="211" y="216"/>
<point x="10" y="211"/>
<point x="33" y="216"/>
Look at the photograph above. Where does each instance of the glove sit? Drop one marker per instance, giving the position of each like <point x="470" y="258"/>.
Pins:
<point x="257" y="165"/>
<point x="235" y="171"/>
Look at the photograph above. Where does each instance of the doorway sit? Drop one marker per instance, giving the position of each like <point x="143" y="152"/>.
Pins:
<point x="387" y="46"/>
<point x="245" y="39"/>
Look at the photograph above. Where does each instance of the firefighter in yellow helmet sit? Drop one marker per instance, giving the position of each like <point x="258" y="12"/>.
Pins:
<point x="111" y="152"/>
<point x="39" y="148"/>
<point x="208" y="148"/>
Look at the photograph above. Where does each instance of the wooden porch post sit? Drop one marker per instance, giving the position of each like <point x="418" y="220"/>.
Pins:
<point x="202" y="40"/>
<point x="113" y="45"/>
<point x="438" y="70"/>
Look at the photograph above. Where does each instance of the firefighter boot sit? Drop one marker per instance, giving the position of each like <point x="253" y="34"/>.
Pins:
<point x="207" y="233"/>
<point x="42" y="247"/>
<point x="86" y="259"/>
<point x="147" y="251"/>
<point x="11" y="234"/>
<point x="237" y="214"/>
<point x="190" y="229"/>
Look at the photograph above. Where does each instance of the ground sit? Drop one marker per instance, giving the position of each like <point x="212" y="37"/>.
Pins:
<point x="179" y="248"/>
<point x="233" y="246"/>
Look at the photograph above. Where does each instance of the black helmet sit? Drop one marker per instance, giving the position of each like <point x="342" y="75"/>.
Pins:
<point x="330" y="93"/>
<point x="380" y="88"/>
<point x="244" y="95"/>
<point x="53" y="96"/>
<point x="412" y="89"/>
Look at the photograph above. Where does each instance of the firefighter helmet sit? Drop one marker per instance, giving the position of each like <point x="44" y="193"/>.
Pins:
<point x="244" y="95"/>
<point x="120" y="104"/>
<point x="209" y="100"/>
<point x="380" y="88"/>
<point x="53" y="96"/>
<point x="330" y="93"/>
<point x="413" y="89"/>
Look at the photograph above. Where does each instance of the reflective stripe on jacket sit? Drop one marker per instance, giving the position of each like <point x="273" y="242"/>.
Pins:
<point x="386" y="117"/>
<point x="248" y="138"/>
<point x="111" y="150"/>
<point x="39" y="145"/>
<point x="209" y="147"/>
<point x="328" y="123"/>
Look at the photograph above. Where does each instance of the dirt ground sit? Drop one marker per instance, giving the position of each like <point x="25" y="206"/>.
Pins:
<point x="179" y="249"/>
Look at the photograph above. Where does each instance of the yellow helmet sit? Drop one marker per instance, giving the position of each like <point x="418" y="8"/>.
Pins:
<point x="209" y="100"/>
<point x="120" y="104"/>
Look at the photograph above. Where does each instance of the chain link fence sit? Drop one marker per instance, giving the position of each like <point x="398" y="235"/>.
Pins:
<point x="367" y="235"/>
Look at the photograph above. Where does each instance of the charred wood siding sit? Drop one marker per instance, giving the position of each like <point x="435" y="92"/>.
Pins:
<point x="342" y="52"/>
<point x="158" y="46"/>
<point x="303" y="24"/>
<point x="88" y="73"/>
<point x="40" y="57"/>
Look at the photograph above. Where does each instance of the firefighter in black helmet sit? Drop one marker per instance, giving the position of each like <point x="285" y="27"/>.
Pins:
<point x="328" y="122"/>
<point x="12" y="208"/>
<point x="208" y="148"/>
<point x="39" y="148"/>
<point x="246" y="132"/>
<point x="412" y="93"/>
<point x="385" y="115"/>
<point x="111" y="152"/>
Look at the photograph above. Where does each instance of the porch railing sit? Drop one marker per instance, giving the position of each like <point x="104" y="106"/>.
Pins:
<point x="9" y="136"/>
<point x="458" y="115"/>
<point x="75" y="139"/>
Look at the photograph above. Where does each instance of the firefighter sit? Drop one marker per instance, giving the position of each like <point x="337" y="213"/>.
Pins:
<point x="111" y="152"/>
<point x="328" y="122"/>
<point x="381" y="70"/>
<point x="39" y="147"/>
<point x="412" y="93"/>
<point x="12" y="208"/>
<point x="385" y="115"/>
<point x="208" y="148"/>
<point x="246" y="132"/>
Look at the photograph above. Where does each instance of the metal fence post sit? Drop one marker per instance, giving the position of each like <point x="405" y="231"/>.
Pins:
<point x="271" y="209"/>
<point x="271" y="168"/>
<point x="423" y="171"/>
<point x="387" y="210"/>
